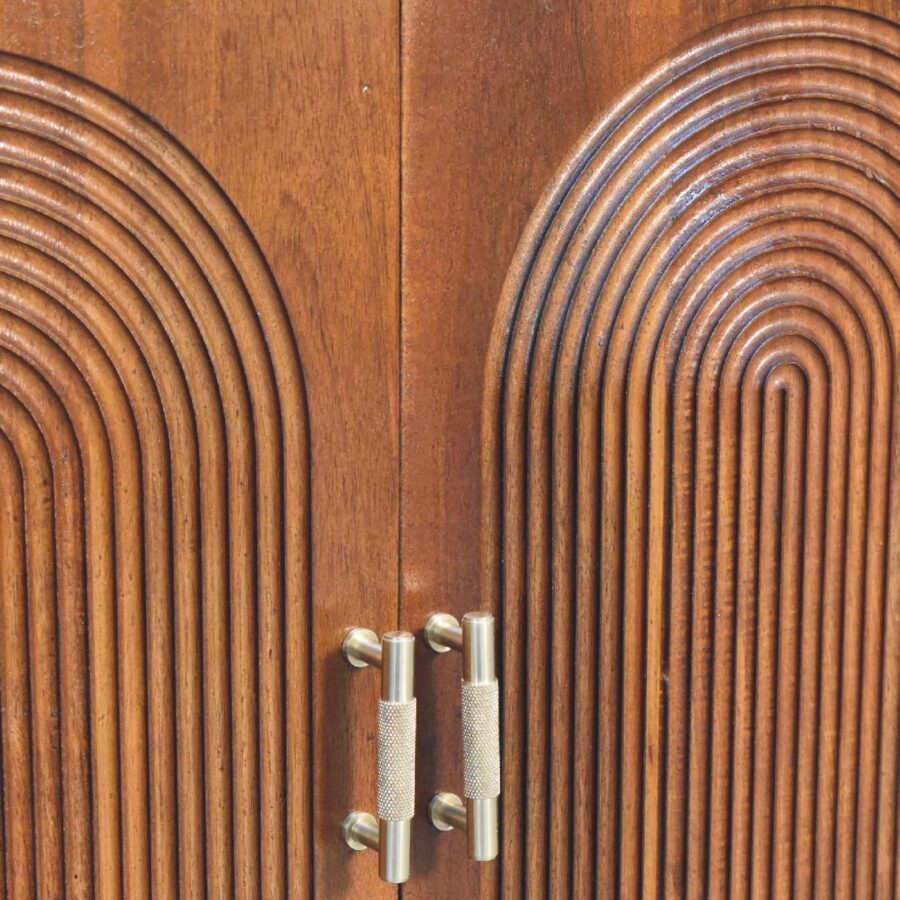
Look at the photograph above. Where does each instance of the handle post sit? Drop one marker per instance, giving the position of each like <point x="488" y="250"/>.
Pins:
<point x="390" y="836"/>
<point x="475" y="639"/>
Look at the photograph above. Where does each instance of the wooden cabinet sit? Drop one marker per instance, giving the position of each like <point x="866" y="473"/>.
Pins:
<point x="337" y="314"/>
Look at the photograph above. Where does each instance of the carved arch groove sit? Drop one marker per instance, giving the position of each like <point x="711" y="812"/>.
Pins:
<point x="154" y="520"/>
<point x="691" y="480"/>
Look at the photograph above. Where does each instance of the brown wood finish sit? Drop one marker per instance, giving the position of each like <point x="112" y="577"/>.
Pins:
<point x="647" y="656"/>
<point x="687" y="451"/>
<point x="157" y="667"/>
<point x="692" y="263"/>
<point x="135" y="303"/>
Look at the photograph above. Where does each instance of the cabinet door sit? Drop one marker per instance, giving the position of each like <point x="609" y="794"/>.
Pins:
<point x="198" y="298"/>
<point x="683" y="410"/>
<point x="623" y="372"/>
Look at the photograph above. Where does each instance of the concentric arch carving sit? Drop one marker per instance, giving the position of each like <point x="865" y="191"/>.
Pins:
<point x="154" y="527"/>
<point x="691" y="480"/>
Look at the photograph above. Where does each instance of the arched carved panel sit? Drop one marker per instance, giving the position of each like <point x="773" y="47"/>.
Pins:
<point x="691" y="482"/>
<point x="154" y="545"/>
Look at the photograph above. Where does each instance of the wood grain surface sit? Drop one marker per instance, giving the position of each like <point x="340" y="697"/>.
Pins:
<point x="648" y="657"/>
<point x="138" y="321"/>
<point x="690" y="480"/>
<point x="192" y="734"/>
<point x="679" y="410"/>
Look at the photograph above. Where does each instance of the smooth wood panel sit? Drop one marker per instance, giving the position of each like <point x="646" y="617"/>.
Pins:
<point x="494" y="97"/>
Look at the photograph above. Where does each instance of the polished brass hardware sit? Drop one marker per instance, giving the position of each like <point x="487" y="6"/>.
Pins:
<point x="481" y="732"/>
<point x="390" y="833"/>
<point x="446" y="811"/>
<point x="360" y="831"/>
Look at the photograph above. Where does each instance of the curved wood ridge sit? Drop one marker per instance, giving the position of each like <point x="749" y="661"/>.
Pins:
<point x="154" y="533"/>
<point x="692" y="481"/>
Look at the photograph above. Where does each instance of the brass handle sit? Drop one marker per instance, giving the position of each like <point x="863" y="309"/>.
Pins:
<point x="395" y="804"/>
<point x="481" y="732"/>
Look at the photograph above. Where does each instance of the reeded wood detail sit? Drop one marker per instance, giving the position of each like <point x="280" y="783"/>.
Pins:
<point x="154" y="562"/>
<point x="692" y="481"/>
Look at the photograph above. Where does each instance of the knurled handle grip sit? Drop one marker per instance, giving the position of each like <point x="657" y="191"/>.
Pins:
<point x="396" y="760"/>
<point x="481" y="739"/>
